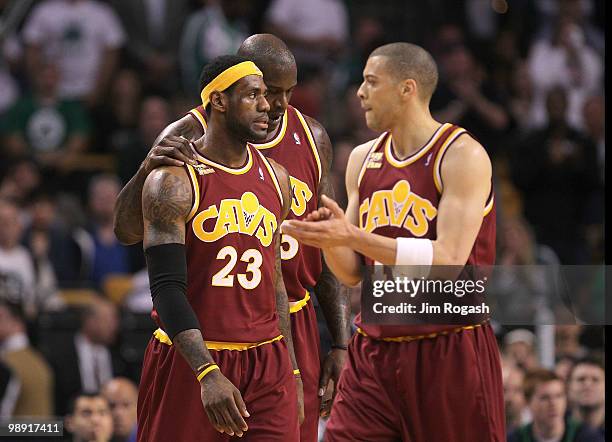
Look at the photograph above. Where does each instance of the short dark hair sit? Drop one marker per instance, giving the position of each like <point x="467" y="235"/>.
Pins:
<point x="588" y="360"/>
<point x="216" y="66"/>
<point x="74" y="399"/>
<point x="268" y="52"/>
<point x="536" y="377"/>
<point x="407" y="60"/>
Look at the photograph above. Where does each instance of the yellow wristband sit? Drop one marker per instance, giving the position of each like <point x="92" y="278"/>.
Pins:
<point x="206" y="371"/>
<point x="296" y="371"/>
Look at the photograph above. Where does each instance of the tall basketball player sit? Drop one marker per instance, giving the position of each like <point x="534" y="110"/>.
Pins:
<point x="421" y="195"/>
<point x="221" y="363"/>
<point x="302" y="146"/>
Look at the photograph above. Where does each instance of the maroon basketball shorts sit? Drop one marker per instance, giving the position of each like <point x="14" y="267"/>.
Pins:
<point x="442" y="389"/>
<point x="305" y="334"/>
<point x="170" y="407"/>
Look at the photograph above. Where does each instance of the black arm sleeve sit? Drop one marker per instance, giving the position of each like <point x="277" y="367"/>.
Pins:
<point x="167" y="267"/>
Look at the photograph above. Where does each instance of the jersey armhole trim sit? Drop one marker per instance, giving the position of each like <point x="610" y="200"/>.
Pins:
<point x="193" y="178"/>
<point x="199" y="117"/>
<point x="438" y="168"/>
<point x="311" y="141"/>
<point x="437" y="174"/>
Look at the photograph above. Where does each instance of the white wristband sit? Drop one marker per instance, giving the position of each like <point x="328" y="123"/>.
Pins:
<point x="414" y="252"/>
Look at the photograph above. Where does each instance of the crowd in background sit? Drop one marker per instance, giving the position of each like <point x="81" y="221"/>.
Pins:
<point x="87" y="85"/>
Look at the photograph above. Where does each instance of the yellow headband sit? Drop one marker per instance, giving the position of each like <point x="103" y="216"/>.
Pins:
<point x="228" y="77"/>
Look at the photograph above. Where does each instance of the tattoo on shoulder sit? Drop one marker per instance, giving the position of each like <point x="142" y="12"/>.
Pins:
<point x="166" y="199"/>
<point x="188" y="128"/>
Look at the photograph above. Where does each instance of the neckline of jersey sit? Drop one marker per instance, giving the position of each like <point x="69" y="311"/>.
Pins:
<point x="233" y="170"/>
<point x="394" y="161"/>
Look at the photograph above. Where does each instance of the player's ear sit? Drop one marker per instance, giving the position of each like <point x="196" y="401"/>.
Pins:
<point x="408" y="88"/>
<point x="218" y="100"/>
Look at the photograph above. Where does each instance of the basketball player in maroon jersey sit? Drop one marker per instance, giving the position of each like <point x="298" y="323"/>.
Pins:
<point x="216" y="225"/>
<point x="421" y="195"/>
<point x="301" y="145"/>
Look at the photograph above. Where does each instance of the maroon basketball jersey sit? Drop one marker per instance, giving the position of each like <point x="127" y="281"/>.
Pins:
<point x="294" y="148"/>
<point x="230" y="249"/>
<point x="399" y="198"/>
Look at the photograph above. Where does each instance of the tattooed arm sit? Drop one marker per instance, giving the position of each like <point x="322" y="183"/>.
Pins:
<point x="166" y="202"/>
<point x="169" y="149"/>
<point x="334" y="303"/>
<point x="282" y="300"/>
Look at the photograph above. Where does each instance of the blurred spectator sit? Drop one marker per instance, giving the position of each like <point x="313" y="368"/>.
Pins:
<point x="34" y="275"/>
<point x="555" y="167"/>
<point x="563" y="366"/>
<point x="44" y="126"/>
<point x="465" y="97"/>
<point x="354" y="129"/>
<point x="138" y="299"/>
<point x="521" y="98"/>
<point x="117" y="121"/>
<point x="9" y="391"/>
<point x="526" y="288"/>
<point x="594" y="119"/>
<point x="594" y="115"/>
<point x="519" y="347"/>
<point x="88" y="361"/>
<point x="154" y="30"/>
<point x="31" y="370"/>
<point x="154" y="117"/>
<point x="109" y="256"/>
<point x="566" y="60"/>
<point x="567" y="341"/>
<point x="9" y="55"/>
<point x="368" y="33"/>
<point x="84" y="36"/>
<point x="517" y="413"/>
<point x="21" y="179"/>
<point x="49" y="240"/>
<point x="122" y="395"/>
<point x="314" y="30"/>
<point x="218" y="28"/>
<point x="518" y="245"/>
<point x="505" y="56"/>
<point x="89" y="418"/>
<point x="584" y="12"/>
<point x="587" y="393"/>
<point x="545" y="393"/>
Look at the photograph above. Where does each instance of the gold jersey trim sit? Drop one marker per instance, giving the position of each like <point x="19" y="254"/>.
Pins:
<point x="311" y="141"/>
<point x="198" y="116"/>
<point x="418" y="154"/>
<point x="437" y="170"/>
<point x="420" y="337"/>
<point x="163" y="337"/>
<point x="438" y="161"/>
<point x="234" y="171"/>
<point x="277" y="139"/>
<point x="489" y="206"/>
<point x="296" y="306"/>
<point x="196" y="192"/>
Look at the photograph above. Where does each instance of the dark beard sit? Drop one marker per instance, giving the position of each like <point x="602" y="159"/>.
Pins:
<point x="241" y="131"/>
